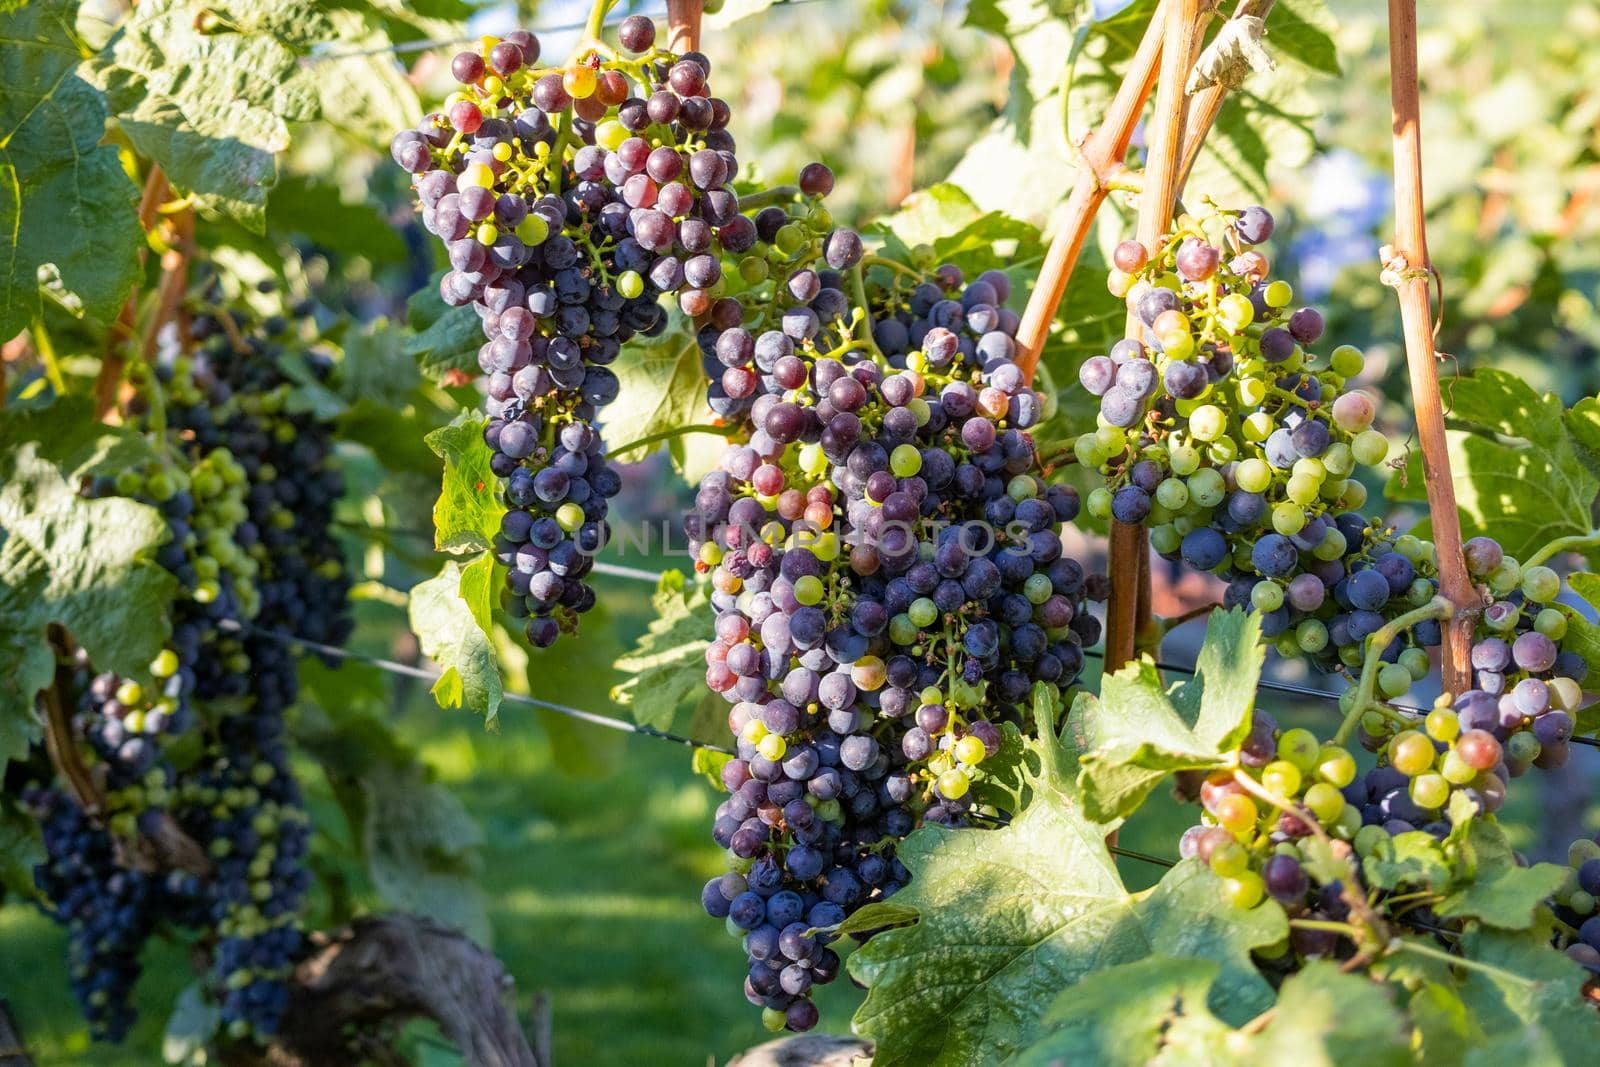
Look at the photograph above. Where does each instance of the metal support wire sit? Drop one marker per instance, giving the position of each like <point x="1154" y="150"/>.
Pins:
<point x="406" y="669"/>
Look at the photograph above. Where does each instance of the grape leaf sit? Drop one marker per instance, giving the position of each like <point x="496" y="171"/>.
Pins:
<point x="1498" y="891"/>
<point x="21" y="846"/>
<point x="1414" y="859"/>
<point x="1583" y="637"/>
<point x="191" y="1027"/>
<point x="86" y="564"/>
<point x="944" y="218"/>
<point x="467" y="514"/>
<point x="376" y="367"/>
<point x="662" y="388"/>
<point x="450" y="614"/>
<point x="209" y="92"/>
<point x="316" y="210"/>
<point x="1303" y="30"/>
<point x="363" y="92"/>
<point x="1155" y="1011"/>
<point x="1583" y="424"/>
<point x="68" y="211"/>
<point x="1137" y="734"/>
<point x="1272" y="109"/>
<point x="667" y="666"/>
<point x="446" y="338"/>
<point x="1005" y="915"/>
<point x="1519" y="474"/>
<point x="1530" y="985"/>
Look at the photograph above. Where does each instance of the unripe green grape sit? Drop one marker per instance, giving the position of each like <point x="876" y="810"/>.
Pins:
<point x="1288" y="518"/>
<point x="1229" y="859"/>
<point x="1160" y="513"/>
<point x="1172" y="493"/>
<point x="1369" y="839"/>
<point x="1325" y="801"/>
<point x="1111" y="439"/>
<point x="1348" y="823"/>
<point x="754" y="270"/>
<point x="1037" y="588"/>
<point x="789" y="238"/>
<point x="1409" y="547"/>
<point x="1506" y="577"/>
<point x="1207" y="423"/>
<point x="1257" y="427"/>
<point x="1236" y="312"/>
<point x="1540" y="584"/>
<point x="1287" y="645"/>
<point x="1370" y="447"/>
<point x="1334" y="489"/>
<point x="1184" y="460"/>
<point x="1416" y="661"/>
<point x="1300" y="747"/>
<point x="610" y="134"/>
<point x="1243" y="892"/>
<point x="1183" y="524"/>
<point x="1332" y="546"/>
<point x="1099" y="502"/>
<point x="1411" y="753"/>
<point x="1179" y="344"/>
<point x="1582" y="851"/>
<point x="1303" y="489"/>
<point x="1430" y="791"/>
<point x="1581" y="902"/>
<point x="772" y="1019"/>
<point x="1281" y="777"/>
<point x="1308" y="467"/>
<point x="1565" y="694"/>
<point x="923" y="611"/>
<point x="1551" y="622"/>
<point x="1087" y="449"/>
<point x="1346" y="361"/>
<point x="1355" y="495"/>
<point x="1241" y="556"/>
<point x="1252" y="391"/>
<point x="1420" y="592"/>
<point x="1335" y="765"/>
<point x="1311" y="635"/>
<point x="1338" y="460"/>
<point x="905" y="460"/>
<point x="808" y="589"/>
<point x="1278" y="294"/>
<point x="902" y="631"/>
<point x="1165" y="538"/>
<point x="630" y="284"/>
<point x="1253" y="475"/>
<point x="1222" y="451"/>
<point x="1522" y="747"/>
<point x="1207" y="487"/>
<point x="1393" y="680"/>
<point x="1266" y="595"/>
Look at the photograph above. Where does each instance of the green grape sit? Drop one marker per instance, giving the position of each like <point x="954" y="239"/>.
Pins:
<point x="569" y="516"/>
<point x="1303" y="489"/>
<point x="1311" y="635"/>
<point x="1172" y="493"/>
<point x="1551" y="622"/>
<point x="1540" y="584"/>
<point x="808" y="589"/>
<point x="1164" y="538"/>
<point x="1207" y="423"/>
<point x="1506" y="577"/>
<point x="923" y="611"/>
<point x="1278" y="294"/>
<point x="1266" y="595"/>
<point x="1411" y="753"/>
<point x="1037" y="588"/>
<point x="1393" y="680"/>
<point x="1415" y="660"/>
<point x="630" y="284"/>
<point x="1339" y="460"/>
<point x="1222" y="451"/>
<point x="1184" y="460"/>
<point x="1346" y="361"/>
<point x="1325" y="801"/>
<point x="1253" y="475"/>
<point x="1258" y="426"/>
<point x="1431" y="791"/>
<point x="1230" y="859"/>
<point x="1099" y="502"/>
<point x="905" y="461"/>
<point x="1207" y="487"/>
<point x="902" y="631"/>
<point x="1252" y="391"/>
<point x="1370" y="447"/>
<point x="1288" y="518"/>
<point x="1335" y="766"/>
<point x="1087" y="449"/>
<point x="1300" y="747"/>
<point x="1243" y="892"/>
<point x="1282" y="777"/>
<point x="1332" y="546"/>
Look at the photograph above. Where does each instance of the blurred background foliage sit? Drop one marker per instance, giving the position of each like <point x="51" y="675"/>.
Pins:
<point x="581" y="850"/>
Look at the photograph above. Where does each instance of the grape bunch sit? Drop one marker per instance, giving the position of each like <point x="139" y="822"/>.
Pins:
<point x="888" y="583"/>
<point x="247" y="484"/>
<point x="570" y="200"/>
<point x="1577" y="901"/>
<point x="1321" y="601"/>
<point x="1526" y="690"/>
<point x="1217" y="424"/>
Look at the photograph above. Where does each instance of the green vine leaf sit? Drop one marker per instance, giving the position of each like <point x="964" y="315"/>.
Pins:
<point x="662" y="387"/>
<point x="467" y="514"/>
<point x="450" y="614"/>
<point x="1137" y="734"/>
<point x="68" y="211"/>
<point x="1531" y="987"/>
<point x="1498" y="891"/>
<point x="1304" y="31"/>
<point x="1155" y="1011"/>
<point x="85" y="564"/>
<point x="1520" y="474"/>
<point x="1004" y="915"/>
<point x="1583" y="637"/>
<point x="666" y="667"/>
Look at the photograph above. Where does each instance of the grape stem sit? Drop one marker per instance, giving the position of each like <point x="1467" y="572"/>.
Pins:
<point x="1168" y="625"/>
<point x="1418" y="948"/>
<point x="883" y="261"/>
<point x="676" y="431"/>
<point x="858" y="289"/>
<point x="1562" y="544"/>
<point x="1438" y="608"/>
<point x="781" y="194"/>
<point x="597" y="20"/>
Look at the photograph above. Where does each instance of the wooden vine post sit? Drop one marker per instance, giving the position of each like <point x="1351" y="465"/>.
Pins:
<point x="683" y="25"/>
<point x="1408" y="269"/>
